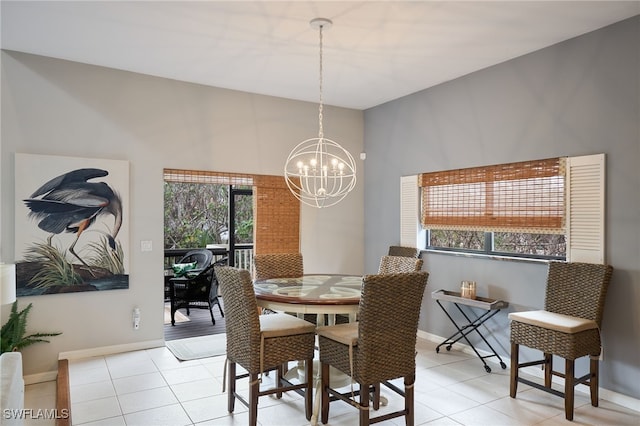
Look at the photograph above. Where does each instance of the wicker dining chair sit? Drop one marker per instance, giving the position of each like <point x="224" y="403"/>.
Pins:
<point x="398" y="264"/>
<point x="261" y="343"/>
<point x="278" y="265"/>
<point x="568" y="327"/>
<point x="403" y="251"/>
<point x="379" y="347"/>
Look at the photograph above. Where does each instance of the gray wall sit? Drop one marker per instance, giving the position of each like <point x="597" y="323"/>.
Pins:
<point x="574" y="98"/>
<point x="54" y="107"/>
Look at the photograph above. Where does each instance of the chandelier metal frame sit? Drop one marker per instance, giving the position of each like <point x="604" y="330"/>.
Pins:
<point x="319" y="171"/>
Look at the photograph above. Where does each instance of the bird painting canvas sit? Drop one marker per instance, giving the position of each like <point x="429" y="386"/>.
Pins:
<point x="71" y="227"/>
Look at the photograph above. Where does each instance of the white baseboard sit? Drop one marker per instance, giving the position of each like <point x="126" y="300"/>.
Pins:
<point x="50" y="376"/>
<point x="109" y="350"/>
<point x="47" y="376"/>
<point x="605" y="394"/>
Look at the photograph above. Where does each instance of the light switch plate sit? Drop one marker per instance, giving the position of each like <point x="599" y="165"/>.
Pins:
<point x="146" y="245"/>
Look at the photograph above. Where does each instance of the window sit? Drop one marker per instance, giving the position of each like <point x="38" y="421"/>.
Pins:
<point x="197" y="210"/>
<point x="552" y="208"/>
<point x="276" y="212"/>
<point x="464" y="209"/>
<point x="515" y="244"/>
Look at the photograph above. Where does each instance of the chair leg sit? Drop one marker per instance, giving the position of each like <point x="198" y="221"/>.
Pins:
<point x="254" y="389"/>
<point x="216" y="301"/>
<point x="173" y="306"/>
<point x="594" y="367"/>
<point x="231" y="380"/>
<point x="279" y="376"/>
<point x="324" y="374"/>
<point x="548" y="370"/>
<point x="569" y="377"/>
<point x="308" y="393"/>
<point x="376" y="396"/>
<point x="513" y="383"/>
<point x="213" y="320"/>
<point x="409" y="382"/>
<point x="364" y="404"/>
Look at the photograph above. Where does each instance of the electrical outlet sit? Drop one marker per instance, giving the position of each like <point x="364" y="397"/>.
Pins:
<point x="136" y="318"/>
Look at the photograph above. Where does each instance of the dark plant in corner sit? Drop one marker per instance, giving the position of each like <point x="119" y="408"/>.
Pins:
<point x="12" y="334"/>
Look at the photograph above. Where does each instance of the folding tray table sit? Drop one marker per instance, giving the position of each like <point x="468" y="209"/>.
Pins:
<point x="491" y="306"/>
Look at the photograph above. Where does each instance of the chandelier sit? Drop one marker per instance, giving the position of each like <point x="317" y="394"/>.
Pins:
<point x="319" y="172"/>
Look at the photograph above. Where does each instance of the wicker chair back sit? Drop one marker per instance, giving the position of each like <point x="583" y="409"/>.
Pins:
<point x="403" y="251"/>
<point x="388" y="318"/>
<point x="577" y="289"/>
<point x="241" y="316"/>
<point x="399" y="264"/>
<point x="278" y="265"/>
<point x="202" y="257"/>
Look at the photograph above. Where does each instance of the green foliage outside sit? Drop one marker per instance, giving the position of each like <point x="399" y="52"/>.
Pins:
<point x="470" y="240"/>
<point x="535" y="244"/>
<point x="503" y="242"/>
<point x="197" y="214"/>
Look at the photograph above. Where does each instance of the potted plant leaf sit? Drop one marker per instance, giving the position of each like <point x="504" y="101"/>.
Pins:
<point x="13" y="333"/>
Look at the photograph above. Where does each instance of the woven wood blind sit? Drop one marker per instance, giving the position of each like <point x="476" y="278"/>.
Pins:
<point x="276" y="217"/>
<point x="203" y="176"/>
<point x="515" y="197"/>
<point x="276" y="212"/>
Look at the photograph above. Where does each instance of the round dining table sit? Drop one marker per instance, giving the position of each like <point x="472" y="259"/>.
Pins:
<point x="311" y="294"/>
<point x="317" y="294"/>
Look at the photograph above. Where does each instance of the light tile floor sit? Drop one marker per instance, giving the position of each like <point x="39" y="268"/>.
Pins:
<point x="152" y="388"/>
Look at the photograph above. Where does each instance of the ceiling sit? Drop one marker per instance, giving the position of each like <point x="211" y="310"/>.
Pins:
<point x="374" y="52"/>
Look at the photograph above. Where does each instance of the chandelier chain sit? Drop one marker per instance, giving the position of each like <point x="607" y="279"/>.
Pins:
<point x="320" y="129"/>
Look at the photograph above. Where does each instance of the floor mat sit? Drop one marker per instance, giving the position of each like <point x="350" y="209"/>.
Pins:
<point x="198" y="347"/>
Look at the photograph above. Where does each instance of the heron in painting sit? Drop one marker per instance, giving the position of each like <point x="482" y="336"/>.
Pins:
<point x="70" y="203"/>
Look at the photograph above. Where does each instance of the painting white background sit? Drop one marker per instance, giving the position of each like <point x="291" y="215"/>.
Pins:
<point x="32" y="171"/>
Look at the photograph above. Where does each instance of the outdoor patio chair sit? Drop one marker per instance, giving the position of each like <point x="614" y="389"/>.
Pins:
<point x="197" y="287"/>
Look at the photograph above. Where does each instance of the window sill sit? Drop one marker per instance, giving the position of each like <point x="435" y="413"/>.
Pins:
<point x="485" y="256"/>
